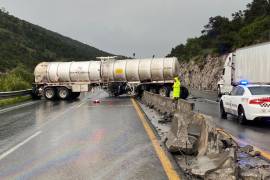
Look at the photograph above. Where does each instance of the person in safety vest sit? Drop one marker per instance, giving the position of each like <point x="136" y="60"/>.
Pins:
<point x="176" y="88"/>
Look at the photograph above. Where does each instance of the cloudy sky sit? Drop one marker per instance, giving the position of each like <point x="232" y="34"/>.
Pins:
<point x="145" y="27"/>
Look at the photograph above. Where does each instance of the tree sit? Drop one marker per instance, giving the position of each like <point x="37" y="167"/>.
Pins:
<point x="256" y="9"/>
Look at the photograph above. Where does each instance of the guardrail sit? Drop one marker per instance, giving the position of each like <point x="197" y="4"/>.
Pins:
<point x="9" y="94"/>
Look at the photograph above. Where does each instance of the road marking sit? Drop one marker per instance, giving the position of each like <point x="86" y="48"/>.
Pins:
<point x="75" y="106"/>
<point x="16" y="107"/>
<point x="5" y="154"/>
<point x="109" y="106"/>
<point x="263" y="153"/>
<point x="211" y="101"/>
<point x="167" y="166"/>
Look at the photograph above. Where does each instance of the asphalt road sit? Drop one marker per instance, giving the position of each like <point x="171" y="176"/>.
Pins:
<point x="255" y="133"/>
<point x="77" y="140"/>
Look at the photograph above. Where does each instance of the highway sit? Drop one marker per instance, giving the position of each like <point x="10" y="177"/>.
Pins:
<point x="85" y="140"/>
<point x="255" y="133"/>
<point x="77" y="140"/>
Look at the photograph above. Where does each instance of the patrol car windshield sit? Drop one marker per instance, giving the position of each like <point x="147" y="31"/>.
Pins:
<point x="260" y="90"/>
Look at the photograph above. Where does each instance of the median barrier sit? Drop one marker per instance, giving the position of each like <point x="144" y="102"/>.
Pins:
<point x="201" y="149"/>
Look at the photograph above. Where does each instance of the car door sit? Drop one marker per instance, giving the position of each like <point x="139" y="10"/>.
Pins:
<point x="235" y="99"/>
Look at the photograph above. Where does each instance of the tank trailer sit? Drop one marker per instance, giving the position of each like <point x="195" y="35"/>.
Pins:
<point x="66" y="80"/>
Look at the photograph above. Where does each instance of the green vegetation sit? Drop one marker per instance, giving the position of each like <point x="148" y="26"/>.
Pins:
<point x="222" y="35"/>
<point x="29" y="44"/>
<point x="14" y="100"/>
<point x="23" y="45"/>
<point x="17" y="79"/>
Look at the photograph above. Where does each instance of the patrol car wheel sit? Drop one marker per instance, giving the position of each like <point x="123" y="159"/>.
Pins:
<point x="241" y="115"/>
<point x="223" y="114"/>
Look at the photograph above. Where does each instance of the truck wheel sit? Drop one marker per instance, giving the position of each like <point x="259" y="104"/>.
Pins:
<point x="34" y="94"/>
<point x="49" y="93"/>
<point x="241" y="116"/>
<point x="164" y="91"/>
<point x="223" y="114"/>
<point x="153" y="90"/>
<point x="184" y="93"/>
<point x="63" y="93"/>
<point x="75" y="95"/>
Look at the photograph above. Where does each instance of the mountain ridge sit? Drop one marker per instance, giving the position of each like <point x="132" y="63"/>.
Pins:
<point x="24" y="43"/>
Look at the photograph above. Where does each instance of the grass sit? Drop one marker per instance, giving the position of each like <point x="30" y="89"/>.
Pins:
<point x="14" y="100"/>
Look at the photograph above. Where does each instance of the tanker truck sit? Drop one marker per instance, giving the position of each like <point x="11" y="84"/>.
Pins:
<point x="66" y="80"/>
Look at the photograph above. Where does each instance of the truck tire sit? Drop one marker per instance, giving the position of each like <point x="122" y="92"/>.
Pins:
<point x="74" y="95"/>
<point x="164" y="91"/>
<point x="223" y="114"/>
<point x="184" y="93"/>
<point x="63" y="93"/>
<point x="153" y="90"/>
<point x="49" y="93"/>
<point x="34" y="94"/>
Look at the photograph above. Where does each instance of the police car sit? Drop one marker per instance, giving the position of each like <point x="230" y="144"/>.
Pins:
<point x="247" y="102"/>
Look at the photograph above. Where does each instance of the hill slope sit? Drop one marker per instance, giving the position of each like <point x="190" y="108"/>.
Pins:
<point x="28" y="44"/>
<point x="202" y="58"/>
<point x="222" y="35"/>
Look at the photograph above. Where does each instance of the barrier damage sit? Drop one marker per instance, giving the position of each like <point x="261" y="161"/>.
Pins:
<point x="201" y="150"/>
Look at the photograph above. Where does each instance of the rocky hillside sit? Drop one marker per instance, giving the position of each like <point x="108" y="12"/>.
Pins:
<point x="202" y="73"/>
<point x="27" y="44"/>
<point x="220" y="36"/>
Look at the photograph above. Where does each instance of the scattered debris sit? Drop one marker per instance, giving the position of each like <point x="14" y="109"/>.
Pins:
<point x="202" y="150"/>
<point x="96" y="101"/>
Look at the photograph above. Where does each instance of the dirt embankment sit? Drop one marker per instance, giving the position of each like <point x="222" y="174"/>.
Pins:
<point x="202" y="74"/>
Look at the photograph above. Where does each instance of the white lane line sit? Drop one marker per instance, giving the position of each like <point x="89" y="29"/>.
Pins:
<point x="11" y="150"/>
<point x="62" y="113"/>
<point x="211" y="101"/>
<point x="109" y="106"/>
<point x="16" y="107"/>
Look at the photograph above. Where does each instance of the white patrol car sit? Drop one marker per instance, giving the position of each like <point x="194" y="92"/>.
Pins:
<point x="247" y="102"/>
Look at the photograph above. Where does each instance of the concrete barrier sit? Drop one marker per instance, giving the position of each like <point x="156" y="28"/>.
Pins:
<point x="203" y="150"/>
<point x="164" y="105"/>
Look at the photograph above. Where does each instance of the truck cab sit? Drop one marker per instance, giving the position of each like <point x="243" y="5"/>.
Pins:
<point x="225" y="82"/>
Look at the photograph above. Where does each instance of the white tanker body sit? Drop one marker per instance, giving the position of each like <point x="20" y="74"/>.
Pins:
<point x="68" y="79"/>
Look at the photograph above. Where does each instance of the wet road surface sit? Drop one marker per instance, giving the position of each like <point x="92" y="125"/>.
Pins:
<point x="256" y="133"/>
<point x="77" y="140"/>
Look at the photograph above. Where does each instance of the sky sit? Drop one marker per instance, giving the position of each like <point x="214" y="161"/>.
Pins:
<point x="124" y="27"/>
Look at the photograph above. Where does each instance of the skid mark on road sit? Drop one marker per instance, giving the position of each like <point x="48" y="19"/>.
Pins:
<point x="11" y="150"/>
<point x="168" y="167"/>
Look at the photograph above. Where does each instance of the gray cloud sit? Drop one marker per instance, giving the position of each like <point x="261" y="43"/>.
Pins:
<point x="146" y="27"/>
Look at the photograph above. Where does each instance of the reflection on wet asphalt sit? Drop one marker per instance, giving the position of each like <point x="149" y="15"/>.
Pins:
<point x="256" y="133"/>
<point x="77" y="140"/>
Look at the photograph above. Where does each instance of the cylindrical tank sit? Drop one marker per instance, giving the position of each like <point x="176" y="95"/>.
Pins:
<point x="54" y="72"/>
<point x="79" y="71"/>
<point x="130" y="70"/>
<point x="140" y="70"/>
